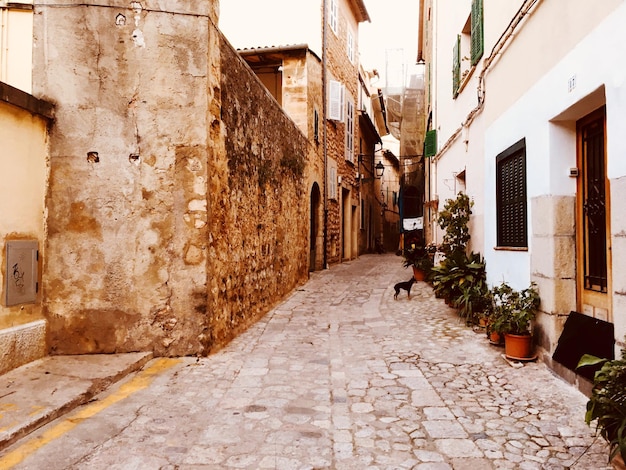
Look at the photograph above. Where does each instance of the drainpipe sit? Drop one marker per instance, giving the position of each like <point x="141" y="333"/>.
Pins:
<point x="324" y="144"/>
<point x="420" y="36"/>
<point x="4" y="43"/>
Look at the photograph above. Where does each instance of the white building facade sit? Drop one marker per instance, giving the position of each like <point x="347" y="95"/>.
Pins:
<point x="530" y="130"/>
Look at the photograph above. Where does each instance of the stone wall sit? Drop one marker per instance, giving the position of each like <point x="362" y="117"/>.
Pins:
<point x="259" y="204"/>
<point x="168" y="228"/>
<point x="553" y="268"/>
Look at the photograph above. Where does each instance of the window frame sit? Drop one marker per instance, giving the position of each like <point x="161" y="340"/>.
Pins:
<point x="335" y="100"/>
<point x="350" y="46"/>
<point x="332" y="182"/>
<point x="350" y="128"/>
<point x="510" y="202"/>
<point x="333" y="15"/>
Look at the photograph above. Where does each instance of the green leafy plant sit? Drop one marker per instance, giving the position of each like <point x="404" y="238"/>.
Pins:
<point x="474" y="301"/>
<point x="461" y="279"/>
<point x="513" y="311"/>
<point x="418" y="258"/>
<point x="454" y="220"/>
<point x="416" y="255"/>
<point x="607" y="404"/>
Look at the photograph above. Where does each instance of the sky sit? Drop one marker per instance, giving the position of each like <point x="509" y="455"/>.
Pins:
<point x="391" y="37"/>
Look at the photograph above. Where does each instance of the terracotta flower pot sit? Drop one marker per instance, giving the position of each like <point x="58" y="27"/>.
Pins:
<point x="518" y="346"/>
<point x="418" y="274"/>
<point x="495" y="337"/>
<point x="617" y="462"/>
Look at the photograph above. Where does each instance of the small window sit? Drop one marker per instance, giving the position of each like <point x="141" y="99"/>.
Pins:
<point x="468" y="48"/>
<point x="335" y="101"/>
<point x="332" y="183"/>
<point x="316" y="126"/>
<point x="350" y="130"/>
<point x="511" y="202"/>
<point x="333" y="15"/>
<point x="350" y="46"/>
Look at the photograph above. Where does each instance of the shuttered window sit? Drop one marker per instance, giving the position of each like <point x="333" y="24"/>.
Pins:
<point x="456" y="66"/>
<point x="477" y="34"/>
<point x="511" y="201"/>
<point x="335" y="100"/>
<point x="430" y="143"/>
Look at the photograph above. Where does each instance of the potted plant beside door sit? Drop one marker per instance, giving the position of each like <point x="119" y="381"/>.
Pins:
<point x="607" y="404"/>
<point x="513" y="313"/>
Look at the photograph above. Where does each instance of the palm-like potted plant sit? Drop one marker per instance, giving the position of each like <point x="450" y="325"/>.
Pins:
<point x="512" y="316"/>
<point x="607" y="404"/>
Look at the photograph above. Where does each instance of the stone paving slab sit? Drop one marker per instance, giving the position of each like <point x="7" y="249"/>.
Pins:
<point x="341" y="376"/>
<point x="41" y="391"/>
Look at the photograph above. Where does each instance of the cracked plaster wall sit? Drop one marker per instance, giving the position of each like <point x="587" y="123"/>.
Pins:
<point x="146" y="214"/>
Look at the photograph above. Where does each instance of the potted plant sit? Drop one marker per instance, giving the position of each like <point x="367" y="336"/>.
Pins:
<point x="473" y="302"/>
<point x="418" y="258"/>
<point x="473" y="296"/>
<point x="513" y="313"/>
<point x="607" y="404"/>
<point x="454" y="221"/>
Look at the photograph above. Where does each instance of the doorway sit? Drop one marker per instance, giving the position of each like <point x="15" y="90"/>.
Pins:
<point x="315" y="234"/>
<point x="593" y="231"/>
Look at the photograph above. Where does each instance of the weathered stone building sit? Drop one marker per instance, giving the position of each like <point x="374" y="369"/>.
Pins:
<point x="293" y="76"/>
<point x="330" y="31"/>
<point x="176" y="209"/>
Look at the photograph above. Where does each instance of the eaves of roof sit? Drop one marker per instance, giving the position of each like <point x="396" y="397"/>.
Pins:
<point x="273" y="50"/>
<point x="25" y="101"/>
<point x="359" y="7"/>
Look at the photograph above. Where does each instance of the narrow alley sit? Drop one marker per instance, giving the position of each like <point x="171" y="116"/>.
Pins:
<point x="338" y="376"/>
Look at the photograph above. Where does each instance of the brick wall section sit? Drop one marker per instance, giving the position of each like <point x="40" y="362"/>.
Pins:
<point x="185" y="228"/>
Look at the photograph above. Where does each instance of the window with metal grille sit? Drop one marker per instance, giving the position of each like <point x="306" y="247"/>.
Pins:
<point x="511" y="202"/>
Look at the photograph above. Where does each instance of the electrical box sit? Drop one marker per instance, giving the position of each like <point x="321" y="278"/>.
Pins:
<point x="22" y="273"/>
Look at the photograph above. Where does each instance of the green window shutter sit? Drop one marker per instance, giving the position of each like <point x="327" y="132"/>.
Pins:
<point x="430" y="143"/>
<point x="477" y="34"/>
<point x="456" y="66"/>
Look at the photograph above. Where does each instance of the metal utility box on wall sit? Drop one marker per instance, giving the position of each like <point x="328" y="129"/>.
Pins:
<point x="22" y="260"/>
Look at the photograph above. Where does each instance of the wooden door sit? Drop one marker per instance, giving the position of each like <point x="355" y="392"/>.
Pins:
<point x="593" y="236"/>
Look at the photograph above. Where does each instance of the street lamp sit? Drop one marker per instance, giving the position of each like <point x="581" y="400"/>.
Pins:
<point x="380" y="169"/>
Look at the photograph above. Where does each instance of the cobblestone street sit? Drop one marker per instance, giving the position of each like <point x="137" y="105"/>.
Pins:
<point x="342" y="376"/>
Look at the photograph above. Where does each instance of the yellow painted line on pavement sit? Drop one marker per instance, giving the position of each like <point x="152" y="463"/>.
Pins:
<point x="141" y="381"/>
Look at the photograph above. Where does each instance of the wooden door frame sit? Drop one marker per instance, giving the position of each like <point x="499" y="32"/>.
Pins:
<point x="597" y="300"/>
